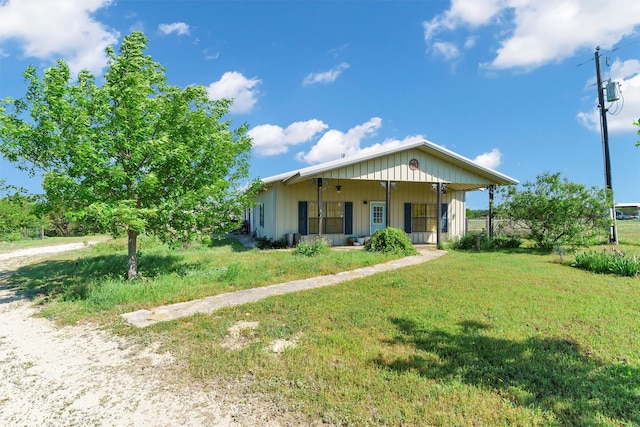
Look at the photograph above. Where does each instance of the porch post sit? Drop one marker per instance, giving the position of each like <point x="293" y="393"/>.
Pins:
<point x="490" y="219"/>
<point x="439" y="219"/>
<point x="388" y="215"/>
<point x="319" y="207"/>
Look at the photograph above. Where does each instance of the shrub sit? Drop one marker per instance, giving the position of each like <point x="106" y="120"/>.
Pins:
<point x="391" y="240"/>
<point x="506" y="242"/>
<point x="318" y="246"/>
<point x="470" y="241"/>
<point x="267" y="243"/>
<point x="556" y="210"/>
<point x="481" y="242"/>
<point x="608" y="262"/>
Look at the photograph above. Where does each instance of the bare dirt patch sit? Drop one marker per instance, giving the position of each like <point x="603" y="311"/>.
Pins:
<point x="80" y="375"/>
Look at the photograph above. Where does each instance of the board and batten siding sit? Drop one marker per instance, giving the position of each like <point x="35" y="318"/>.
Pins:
<point x="281" y="207"/>
<point x="395" y="167"/>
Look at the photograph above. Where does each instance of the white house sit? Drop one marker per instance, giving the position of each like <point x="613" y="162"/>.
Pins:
<point x="355" y="196"/>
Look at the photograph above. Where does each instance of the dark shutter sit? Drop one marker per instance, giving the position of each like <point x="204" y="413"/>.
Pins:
<point x="407" y="217"/>
<point x="348" y="217"/>
<point x="444" y="220"/>
<point x="302" y="218"/>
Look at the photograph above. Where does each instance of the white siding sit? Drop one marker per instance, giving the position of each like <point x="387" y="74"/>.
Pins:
<point x="395" y="167"/>
<point x="281" y="207"/>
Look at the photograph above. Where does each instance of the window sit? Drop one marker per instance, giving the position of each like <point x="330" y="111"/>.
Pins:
<point x="261" y="215"/>
<point x="332" y="217"/>
<point x="423" y="217"/>
<point x="378" y="215"/>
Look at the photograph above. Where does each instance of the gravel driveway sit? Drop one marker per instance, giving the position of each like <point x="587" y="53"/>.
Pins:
<point x="82" y="376"/>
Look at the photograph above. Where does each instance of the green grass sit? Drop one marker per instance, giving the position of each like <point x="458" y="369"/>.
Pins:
<point x="629" y="233"/>
<point x="467" y="339"/>
<point x="471" y="338"/>
<point x="74" y="286"/>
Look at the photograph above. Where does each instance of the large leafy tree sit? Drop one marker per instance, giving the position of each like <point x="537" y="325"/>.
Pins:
<point x="556" y="210"/>
<point x="133" y="154"/>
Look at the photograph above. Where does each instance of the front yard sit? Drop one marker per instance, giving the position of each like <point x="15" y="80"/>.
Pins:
<point x="495" y="338"/>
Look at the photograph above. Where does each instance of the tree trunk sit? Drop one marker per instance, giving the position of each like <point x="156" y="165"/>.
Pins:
<point x="132" y="239"/>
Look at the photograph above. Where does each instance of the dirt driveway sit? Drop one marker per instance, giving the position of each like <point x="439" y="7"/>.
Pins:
<point x="82" y="376"/>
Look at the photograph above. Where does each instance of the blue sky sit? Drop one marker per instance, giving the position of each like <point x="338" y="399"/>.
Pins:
<point x="509" y="83"/>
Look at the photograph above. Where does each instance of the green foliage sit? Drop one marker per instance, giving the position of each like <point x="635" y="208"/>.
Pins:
<point x="268" y="243"/>
<point x="312" y="247"/>
<point x="477" y="213"/>
<point x="480" y="241"/>
<point x="506" y="242"/>
<point x="390" y="240"/>
<point x="135" y="154"/>
<point x="17" y="212"/>
<point x="557" y="211"/>
<point x="471" y="240"/>
<point x="608" y="262"/>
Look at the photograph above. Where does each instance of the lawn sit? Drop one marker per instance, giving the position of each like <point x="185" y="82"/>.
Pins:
<point x="471" y="338"/>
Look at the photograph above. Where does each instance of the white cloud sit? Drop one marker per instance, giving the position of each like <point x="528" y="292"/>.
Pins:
<point x="390" y="143"/>
<point x="490" y="160"/>
<point x="470" y="42"/>
<point x="176" y="27"/>
<point x="334" y="143"/>
<point x="446" y="49"/>
<point x="48" y="29"/>
<point x="325" y="77"/>
<point x="622" y="113"/>
<point x="462" y="12"/>
<point x="233" y="85"/>
<point x="270" y="140"/>
<point x="536" y="32"/>
<point x="208" y="55"/>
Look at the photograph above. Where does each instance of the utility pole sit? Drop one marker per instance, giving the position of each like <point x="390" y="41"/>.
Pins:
<point x="613" y="234"/>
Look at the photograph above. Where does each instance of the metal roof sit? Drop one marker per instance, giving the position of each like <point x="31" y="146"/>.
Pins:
<point x="424" y="145"/>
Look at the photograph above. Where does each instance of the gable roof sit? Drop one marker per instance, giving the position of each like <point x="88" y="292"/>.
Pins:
<point x="428" y="147"/>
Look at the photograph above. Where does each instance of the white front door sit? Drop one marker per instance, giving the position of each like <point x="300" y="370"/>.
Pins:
<point x="378" y="216"/>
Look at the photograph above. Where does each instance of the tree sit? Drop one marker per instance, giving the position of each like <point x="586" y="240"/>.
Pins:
<point x="637" y="123"/>
<point x="557" y="211"/>
<point x="16" y="211"/>
<point x="134" y="154"/>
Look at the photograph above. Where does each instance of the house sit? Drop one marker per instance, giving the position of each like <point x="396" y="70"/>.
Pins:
<point x="418" y="187"/>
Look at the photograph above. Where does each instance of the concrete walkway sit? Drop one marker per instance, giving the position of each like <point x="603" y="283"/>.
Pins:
<point x="143" y="318"/>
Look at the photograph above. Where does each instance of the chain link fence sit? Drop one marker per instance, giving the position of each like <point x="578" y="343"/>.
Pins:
<point x="501" y="226"/>
<point x="27" y="233"/>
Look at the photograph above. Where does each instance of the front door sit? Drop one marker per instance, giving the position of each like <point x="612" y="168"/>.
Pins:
<point x="378" y="216"/>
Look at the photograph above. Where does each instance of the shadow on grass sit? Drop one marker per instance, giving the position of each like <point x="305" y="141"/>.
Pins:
<point x="70" y="280"/>
<point x="551" y="374"/>
<point x="233" y="242"/>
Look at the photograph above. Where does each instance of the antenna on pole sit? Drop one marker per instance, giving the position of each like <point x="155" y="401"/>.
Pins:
<point x="613" y="234"/>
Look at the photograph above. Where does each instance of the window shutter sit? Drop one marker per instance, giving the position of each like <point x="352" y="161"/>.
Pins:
<point x="444" y="221"/>
<point x="407" y="217"/>
<point x="348" y="217"/>
<point x="302" y="218"/>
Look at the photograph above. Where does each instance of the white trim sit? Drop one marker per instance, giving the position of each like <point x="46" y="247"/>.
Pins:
<point x="314" y="170"/>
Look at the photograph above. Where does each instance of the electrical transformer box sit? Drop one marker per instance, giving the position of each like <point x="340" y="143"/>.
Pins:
<point x="613" y="91"/>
